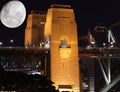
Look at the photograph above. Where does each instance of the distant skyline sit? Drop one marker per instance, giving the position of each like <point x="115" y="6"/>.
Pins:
<point x="88" y="14"/>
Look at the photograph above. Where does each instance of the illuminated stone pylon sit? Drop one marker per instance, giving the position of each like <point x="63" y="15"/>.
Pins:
<point x="34" y="28"/>
<point x="61" y="27"/>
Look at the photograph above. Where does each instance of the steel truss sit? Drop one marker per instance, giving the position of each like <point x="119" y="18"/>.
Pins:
<point x="105" y="65"/>
<point x="27" y="60"/>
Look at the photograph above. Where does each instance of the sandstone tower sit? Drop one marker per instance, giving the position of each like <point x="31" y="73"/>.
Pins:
<point x="61" y="27"/>
<point x="35" y="27"/>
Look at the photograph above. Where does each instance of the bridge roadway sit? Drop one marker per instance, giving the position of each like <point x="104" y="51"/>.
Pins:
<point x="99" y="52"/>
<point x="82" y="51"/>
<point x="22" y="51"/>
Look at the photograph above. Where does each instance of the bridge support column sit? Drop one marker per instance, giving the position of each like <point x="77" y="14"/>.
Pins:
<point x="62" y="29"/>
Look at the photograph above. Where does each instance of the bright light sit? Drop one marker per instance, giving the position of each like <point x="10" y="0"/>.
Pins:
<point x="36" y="73"/>
<point x="110" y="55"/>
<point x="65" y="90"/>
<point x="111" y="43"/>
<point x="104" y="44"/>
<point x="11" y="41"/>
<point x="42" y="22"/>
<point x="92" y="42"/>
<point x="1" y="43"/>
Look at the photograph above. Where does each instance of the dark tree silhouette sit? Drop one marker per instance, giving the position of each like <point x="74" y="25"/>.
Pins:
<point x="22" y="82"/>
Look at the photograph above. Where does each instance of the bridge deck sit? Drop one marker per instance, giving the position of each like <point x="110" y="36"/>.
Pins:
<point x="83" y="52"/>
<point x="22" y="51"/>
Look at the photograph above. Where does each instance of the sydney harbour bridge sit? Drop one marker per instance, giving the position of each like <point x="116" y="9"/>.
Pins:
<point x="99" y="66"/>
<point x="59" y="55"/>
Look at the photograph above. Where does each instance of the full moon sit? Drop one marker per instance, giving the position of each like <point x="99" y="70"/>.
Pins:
<point x="13" y="14"/>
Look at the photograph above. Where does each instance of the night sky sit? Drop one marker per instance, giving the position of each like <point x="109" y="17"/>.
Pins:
<point x="89" y="13"/>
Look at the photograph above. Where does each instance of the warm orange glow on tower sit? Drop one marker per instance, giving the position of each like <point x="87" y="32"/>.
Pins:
<point x="34" y="28"/>
<point x="61" y="27"/>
